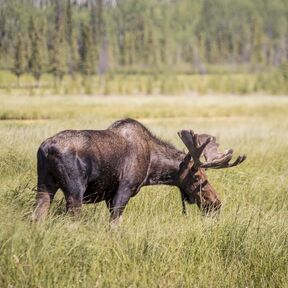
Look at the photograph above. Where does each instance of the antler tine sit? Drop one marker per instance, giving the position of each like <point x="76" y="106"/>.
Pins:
<point x="219" y="162"/>
<point x="190" y="139"/>
<point x="199" y="150"/>
<point x="239" y="160"/>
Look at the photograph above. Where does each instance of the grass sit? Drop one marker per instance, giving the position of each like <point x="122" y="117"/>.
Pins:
<point x="156" y="246"/>
<point x="272" y="82"/>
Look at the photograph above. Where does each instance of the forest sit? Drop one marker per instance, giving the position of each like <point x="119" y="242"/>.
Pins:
<point x="149" y="37"/>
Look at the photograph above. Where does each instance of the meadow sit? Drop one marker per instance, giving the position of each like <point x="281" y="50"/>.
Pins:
<point x="219" y="80"/>
<point x="156" y="246"/>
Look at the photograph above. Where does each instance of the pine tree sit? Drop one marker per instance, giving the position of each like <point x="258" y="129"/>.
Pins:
<point x="94" y="23"/>
<point x="69" y="23"/>
<point x="87" y="55"/>
<point x="20" y="59"/>
<point x="2" y="30"/>
<point x="99" y="36"/>
<point x="97" y="21"/>
<point x="71" y="39"/>
<point x="58" y="59"/>
<point x="31" y="29"/>
<point x="59" y="47"/>
<point x="37" y="61"/>
<point x="59" y="16"/>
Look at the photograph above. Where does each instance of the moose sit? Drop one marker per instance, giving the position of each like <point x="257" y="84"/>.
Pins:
<point x="112" y="165"/>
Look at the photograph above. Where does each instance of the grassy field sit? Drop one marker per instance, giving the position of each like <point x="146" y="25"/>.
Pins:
<point x="156" y="246"/>
<point x="272" y="82"/>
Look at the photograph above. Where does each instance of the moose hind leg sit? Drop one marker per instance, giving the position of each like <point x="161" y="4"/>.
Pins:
<point x="73" y="183"/>
<point x="44" y="197"/>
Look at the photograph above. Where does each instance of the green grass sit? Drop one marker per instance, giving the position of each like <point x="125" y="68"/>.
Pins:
<point x="156" y="246"/>
<point x="244" y="83"/>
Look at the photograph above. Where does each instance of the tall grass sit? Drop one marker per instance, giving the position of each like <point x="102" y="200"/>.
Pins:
<point x="274" y="82"/>
<point x="156" y="246"/>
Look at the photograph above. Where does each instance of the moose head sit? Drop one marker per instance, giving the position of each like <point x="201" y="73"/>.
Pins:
<point x="193" y="182"/>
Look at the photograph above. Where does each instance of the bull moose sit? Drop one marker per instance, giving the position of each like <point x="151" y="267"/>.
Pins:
<point x="113" y="164"/>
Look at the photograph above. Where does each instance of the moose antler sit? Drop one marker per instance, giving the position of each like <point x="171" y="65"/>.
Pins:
<point x="206" y="145"/>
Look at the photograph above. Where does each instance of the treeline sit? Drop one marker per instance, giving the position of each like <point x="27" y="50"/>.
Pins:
<point x="97" y="36"/>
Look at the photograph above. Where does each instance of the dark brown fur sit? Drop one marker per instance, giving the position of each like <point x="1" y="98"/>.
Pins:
<point x="112" y="165"/>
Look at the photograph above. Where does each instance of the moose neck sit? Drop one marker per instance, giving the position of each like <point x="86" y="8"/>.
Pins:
<point x="164" y="164"/>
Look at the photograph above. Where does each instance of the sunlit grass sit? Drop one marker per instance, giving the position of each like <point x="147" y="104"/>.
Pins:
<point x="272" y="82"/>
<point x="156" y="246"/>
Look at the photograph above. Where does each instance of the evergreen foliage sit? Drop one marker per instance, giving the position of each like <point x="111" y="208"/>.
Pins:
<point x="62" y="33"/>
<point x="87" y="54"/>
<point x="20" y="60"/>
<point x="147" y="36"/>
<point x="37" y="59"/>
<point x="58" y="59"/>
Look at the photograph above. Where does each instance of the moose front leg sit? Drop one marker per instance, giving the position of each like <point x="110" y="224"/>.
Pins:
<point x="183" y="199"/>
<point x="73" y="205"/>
<point x="118" y="204"/>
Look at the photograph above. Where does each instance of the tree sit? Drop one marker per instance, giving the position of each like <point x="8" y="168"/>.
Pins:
<point x="69" y="22"/>
<point x="20" y="59"/>
<point x="71" y="39"/>
<point x="87" y="54"/>
<point x="37" y="61"/>
<point x="2" y="30"/>
<point x="59" y="55"/>
<point x="58" y="59"/>
<point x="186" y="34"/>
